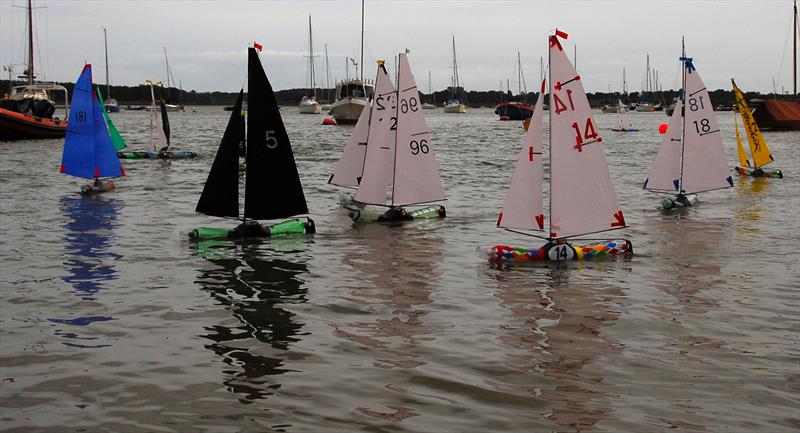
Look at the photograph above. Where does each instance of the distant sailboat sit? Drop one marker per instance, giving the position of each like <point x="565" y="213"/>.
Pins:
<point x="454" y="105"/>
<point x="309" y="104"/>
<point x="430" y="105"/>
<point x="159" y="147"/>
<point x="88" y="150"/>
<point x="579" y="205"/>
<point x="691" y="158"/>
<point x="394" y="143"/>
<point x="623" y="120"/>
<point x="758" y="146"/>
<point x="272" y="184"/>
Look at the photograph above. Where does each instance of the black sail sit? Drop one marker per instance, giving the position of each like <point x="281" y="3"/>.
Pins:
<point x="272" y="185"/>
<point x="221" y="193"/>
<point x="165" y="120"/>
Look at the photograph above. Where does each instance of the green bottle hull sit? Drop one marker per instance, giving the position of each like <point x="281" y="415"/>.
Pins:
<point x="252" y="229"/>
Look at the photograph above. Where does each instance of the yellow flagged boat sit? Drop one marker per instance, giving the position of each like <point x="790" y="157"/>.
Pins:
<point x="758" y="147"/>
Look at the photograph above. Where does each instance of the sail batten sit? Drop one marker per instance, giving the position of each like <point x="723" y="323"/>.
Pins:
<point x="272" y="184"/>
<point x="582" y="197"/>
<point x="416" y="174"/>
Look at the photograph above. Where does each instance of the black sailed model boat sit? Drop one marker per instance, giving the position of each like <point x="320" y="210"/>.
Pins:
<point x="272" y="184"/>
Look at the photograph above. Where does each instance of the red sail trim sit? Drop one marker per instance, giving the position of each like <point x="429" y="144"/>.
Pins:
<point x="540" y="221"/>
<point x="620" y="220"/>
<point x="499" y="218"/>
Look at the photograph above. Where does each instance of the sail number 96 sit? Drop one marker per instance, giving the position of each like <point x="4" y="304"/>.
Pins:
<point x="409" y="104"/>
<point x="418" y="147"/>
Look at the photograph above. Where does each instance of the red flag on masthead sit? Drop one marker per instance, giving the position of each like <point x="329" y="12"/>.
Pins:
<point x="258" y="46"/>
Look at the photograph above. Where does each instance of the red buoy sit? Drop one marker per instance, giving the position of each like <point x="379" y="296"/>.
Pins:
<point x="328" y="121"/>
<point x="662" y="128"/>
<point x="504" y="117"/>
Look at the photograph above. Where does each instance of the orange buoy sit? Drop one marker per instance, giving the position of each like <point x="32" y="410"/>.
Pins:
<point x="504" y="117"/>
<point x="328" y="121"/>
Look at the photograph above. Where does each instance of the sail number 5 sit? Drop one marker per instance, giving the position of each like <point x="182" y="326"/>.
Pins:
<point x="272" y="142"/>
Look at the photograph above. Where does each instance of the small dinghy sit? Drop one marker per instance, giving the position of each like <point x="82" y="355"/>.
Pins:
<point x="623" y="120"/>
<point x="582" y="198"/>
<point x="691" y="158"/>
<point x="272" y="184"/>
<point x="391" y="150"/>
<point x="88" y="150"/>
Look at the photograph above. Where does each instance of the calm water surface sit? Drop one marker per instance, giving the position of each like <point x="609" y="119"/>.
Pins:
<point x="112" y="321"/>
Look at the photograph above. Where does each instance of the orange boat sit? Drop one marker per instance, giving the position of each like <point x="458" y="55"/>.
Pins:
<point x="17" y="126"/>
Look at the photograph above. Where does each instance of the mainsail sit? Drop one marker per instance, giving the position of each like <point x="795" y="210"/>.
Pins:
<point x="350" y="167"/>
<point x="623" y="120"/>
<point x="379" y="160"/>
<point x="758" y="147"/>
<point x="740" y="152"/>
<point x="665" y="174"/>
<point x="704" y="164"/>
<point x="272" y="184"/>
<point x="523" y="207"/>
<point x="88" y="151"/>
<point x="582" y="197"/>
<point x="416" y="175"/>
<point x="220" y="195"/>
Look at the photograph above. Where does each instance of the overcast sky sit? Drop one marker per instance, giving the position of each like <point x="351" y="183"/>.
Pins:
<point x="207" y="40"/>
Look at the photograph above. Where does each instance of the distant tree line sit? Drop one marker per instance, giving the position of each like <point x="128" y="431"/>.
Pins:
<point x="140" y="95"/>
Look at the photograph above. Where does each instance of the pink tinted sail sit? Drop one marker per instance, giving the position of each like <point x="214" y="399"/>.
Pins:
<point x="665" y="173"/>
<point x="523" y="208"/>
<point x="350" y="166"/>
<point x="416" y="175"/>
<point x="704" y="164"/>
<point x="379" y="161"/>
<point x="582" y="197"/>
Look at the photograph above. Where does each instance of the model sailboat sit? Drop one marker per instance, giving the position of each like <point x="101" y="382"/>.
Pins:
<point x="758" y="146"/>
<point x="272" y="184"/>
<point x="391" y="150"/>
<point x="159" y="147"/>
<point x="88" y="150"/>
<point x="582" y="197"/>
<point x="691" y="158"/>
<point x="623" y="120"/>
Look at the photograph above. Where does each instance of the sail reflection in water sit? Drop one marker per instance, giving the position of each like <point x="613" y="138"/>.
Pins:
<point x="553" y="330"/>
<point x="89" y="261"/>
<point x="252" y="286"/>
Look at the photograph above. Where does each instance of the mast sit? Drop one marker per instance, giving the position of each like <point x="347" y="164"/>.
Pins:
<point x="361" y="75"/>
<point x="519" y="74"/>
<point x="30" y="42"/>
<point x="683" y="108"/>
<point x="455" y="70"/>
<point x="167" y="61"/>
<point x="624" y="85"/>
<point x="550" y="137"/>
<point x="327" y="76"/>
<point x="105" y="43"/>
<point x="311" y="59"/>
<point x="794" y="51"/>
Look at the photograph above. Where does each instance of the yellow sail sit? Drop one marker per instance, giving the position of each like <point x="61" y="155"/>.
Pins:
<point x="743" y="161"/>
<point x="758" y="147"/>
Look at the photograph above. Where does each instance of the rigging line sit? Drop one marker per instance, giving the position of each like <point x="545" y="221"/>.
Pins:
<point x="789" y="31"/>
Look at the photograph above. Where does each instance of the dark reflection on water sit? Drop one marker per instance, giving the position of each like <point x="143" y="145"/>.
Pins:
<point x="252" y="286"/>
<point x="88" y="259"/>
<point x="555" y="331"/>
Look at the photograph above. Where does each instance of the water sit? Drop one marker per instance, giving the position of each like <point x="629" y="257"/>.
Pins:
<point x="113" y="321"/>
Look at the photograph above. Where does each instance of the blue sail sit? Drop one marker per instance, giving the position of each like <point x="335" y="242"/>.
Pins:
<point x="88" y="150"/>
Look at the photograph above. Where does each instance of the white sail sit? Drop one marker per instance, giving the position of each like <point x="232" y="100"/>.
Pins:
<point x="379" y="161"/>
<point x="582" y="197"/>
<point x="350" y="167"/>
<point x="416" y="175"/>
<point x="704" y="164"/>
<point x="523" y="207"/>
<point x="665" y="173"/>
<point x="623" y="120"/>
<point x="158" y="140"/>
